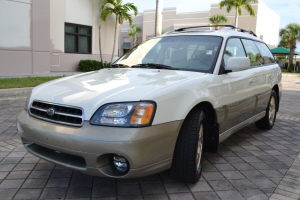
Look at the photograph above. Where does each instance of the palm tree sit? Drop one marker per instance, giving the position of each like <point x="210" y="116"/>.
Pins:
<point x="291" y="34"/>
<point x="217" y="19"/>
<point x="238" y="4"/>
<point x="121" y="12"/>
<point x="284" y="42"/>
<point x="134" y="32"/>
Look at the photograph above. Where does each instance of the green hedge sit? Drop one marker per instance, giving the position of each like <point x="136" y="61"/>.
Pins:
<point x="91" y="65"/>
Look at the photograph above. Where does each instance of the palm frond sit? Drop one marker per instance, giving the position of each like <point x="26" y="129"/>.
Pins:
<point x="250" y="9"/>
<point x="239" y="10"/>
<point x="217" y="19"/>
<point x="238" y="4"/>
<point x="106" y="11"/>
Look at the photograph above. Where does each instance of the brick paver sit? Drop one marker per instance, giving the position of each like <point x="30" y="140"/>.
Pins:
<point x="251" y="164"/>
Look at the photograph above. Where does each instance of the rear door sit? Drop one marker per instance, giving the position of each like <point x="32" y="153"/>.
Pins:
<point x="260" y="87"/>
<point x="267" y="77"/>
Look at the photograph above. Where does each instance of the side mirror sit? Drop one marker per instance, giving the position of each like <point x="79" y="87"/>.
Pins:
<point x="114" y="59"/>
<point x="238" y="64"/>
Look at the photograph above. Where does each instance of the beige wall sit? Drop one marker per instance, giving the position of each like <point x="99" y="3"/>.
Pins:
<point x="89" y="16"/>
<point x="24" y="44"/>
<point x="265" y="24"/>
<point x="32" y="35"/>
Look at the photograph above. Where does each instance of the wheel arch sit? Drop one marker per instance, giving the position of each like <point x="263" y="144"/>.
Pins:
<point x="211" y="140"/>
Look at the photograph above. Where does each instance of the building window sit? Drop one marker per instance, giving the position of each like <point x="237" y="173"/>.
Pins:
<point x="78" y="39"/>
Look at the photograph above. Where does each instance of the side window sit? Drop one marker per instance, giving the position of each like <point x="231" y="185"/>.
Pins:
<point x="266" y="54"/>
<point x="252" y="52"/>
<point x="234" y="48"/>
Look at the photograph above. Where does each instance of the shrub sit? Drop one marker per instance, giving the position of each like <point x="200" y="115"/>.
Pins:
<point x="88" y="65"/>
<point x="91" y="65"/>
<point x="106" y="64"/>
<point x="287" y="64"/>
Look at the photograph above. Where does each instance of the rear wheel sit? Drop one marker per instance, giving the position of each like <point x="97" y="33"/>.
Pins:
<point x="269" y="119"/>
<point x="188" y="155"/>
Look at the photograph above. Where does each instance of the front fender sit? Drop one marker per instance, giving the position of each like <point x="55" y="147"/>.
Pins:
<point x="176" y="101"/>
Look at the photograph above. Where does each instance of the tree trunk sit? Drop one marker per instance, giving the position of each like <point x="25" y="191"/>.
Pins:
<point x="100" y="49"/>
<point x="291" y="55"/>
<point x="115" y="37"/>
<point x="158" y="18"/>
<point x="134" y="40"/>
<point x="100" y="20"/>
<point x="236" y="17"/>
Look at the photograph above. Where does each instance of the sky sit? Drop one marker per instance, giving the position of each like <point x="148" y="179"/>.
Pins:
<point x="289" y="10"/>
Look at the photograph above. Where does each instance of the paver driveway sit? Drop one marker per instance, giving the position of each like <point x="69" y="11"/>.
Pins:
<point x="251" y="164"/>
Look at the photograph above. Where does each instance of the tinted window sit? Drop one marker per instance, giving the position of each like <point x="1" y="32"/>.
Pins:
<point x="78" y="39"/>
<point x="234" y="48"/>
<point x="267" y="56"/>
<point x="252" y="52"/>
<point x="196" y="53"/>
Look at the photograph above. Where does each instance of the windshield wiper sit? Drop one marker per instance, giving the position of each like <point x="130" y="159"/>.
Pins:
<point x="153" y="66"/>
<point x="119" y="66"/>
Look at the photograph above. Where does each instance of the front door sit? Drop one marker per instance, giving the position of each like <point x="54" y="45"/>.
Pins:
<point x="238" y="94"/>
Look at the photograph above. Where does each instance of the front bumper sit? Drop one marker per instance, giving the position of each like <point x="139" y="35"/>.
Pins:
<point x="148" y="150"/>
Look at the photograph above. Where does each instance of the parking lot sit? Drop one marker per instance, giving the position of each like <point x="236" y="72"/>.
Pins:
<point x="252" y="164"/>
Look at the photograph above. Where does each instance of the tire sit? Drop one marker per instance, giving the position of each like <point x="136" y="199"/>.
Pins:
<point x="188" y="155"/>
<point x="268" y="121"/>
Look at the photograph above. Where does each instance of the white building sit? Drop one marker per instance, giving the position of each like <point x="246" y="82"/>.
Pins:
<point x="40" y="36"/>
<point x="265" y="24"/>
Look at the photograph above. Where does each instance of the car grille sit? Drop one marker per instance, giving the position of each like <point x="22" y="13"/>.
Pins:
<point x="57" y="113"/>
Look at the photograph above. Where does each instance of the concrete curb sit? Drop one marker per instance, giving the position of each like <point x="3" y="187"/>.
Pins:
<point x="15" y="92"/>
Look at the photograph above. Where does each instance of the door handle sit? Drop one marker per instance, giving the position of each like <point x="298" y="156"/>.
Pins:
<point x="270" y="75"/>
<point x="251" y="81"/>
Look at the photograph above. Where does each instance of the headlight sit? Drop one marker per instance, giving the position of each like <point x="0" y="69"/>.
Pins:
<point x="27" y="100"/>
<point x="131" y="114"/>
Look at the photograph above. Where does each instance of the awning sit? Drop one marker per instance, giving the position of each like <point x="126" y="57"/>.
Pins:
<point x="126" y="45"/>
<point x="281" y="50"/>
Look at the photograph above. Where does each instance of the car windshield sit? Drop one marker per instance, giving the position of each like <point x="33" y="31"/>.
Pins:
<point x="193" y="53"/>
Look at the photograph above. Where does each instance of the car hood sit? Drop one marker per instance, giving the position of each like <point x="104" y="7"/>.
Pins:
<point x="91" y="90"/>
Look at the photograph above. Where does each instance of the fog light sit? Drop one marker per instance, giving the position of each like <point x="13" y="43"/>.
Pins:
<point x="120" y="164"/>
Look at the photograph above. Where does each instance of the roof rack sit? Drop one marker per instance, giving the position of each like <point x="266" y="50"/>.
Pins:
<point x="230" y="26"/>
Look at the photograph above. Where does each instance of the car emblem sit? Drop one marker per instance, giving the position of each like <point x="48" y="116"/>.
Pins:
<point x="50" y="111"/>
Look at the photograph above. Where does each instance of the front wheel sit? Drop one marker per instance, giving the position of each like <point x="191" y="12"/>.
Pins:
<point x="188" y="155"/>
<point x="268" y="120"/>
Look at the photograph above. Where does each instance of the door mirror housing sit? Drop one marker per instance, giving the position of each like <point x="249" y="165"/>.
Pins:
<point x="238" y="64"/>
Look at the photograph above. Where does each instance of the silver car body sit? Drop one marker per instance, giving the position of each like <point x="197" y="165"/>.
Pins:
<point x="238" y="99"/>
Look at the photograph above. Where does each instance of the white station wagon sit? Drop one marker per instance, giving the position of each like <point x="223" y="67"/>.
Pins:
<point x="158" y="107"/>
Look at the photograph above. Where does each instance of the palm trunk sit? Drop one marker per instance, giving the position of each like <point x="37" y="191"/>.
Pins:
<point x="100" y="20"/>
<point x="112" y="56"/>
<point x="100" y="49"/>
<point x="158" y="18"/>
<point x="291" y="56"/>
<point x="134" y="40"/>
<point x="236" y="17"/>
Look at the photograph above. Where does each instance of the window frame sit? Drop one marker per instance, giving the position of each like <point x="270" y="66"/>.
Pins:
<point x="222" y="66"/>
<point x="77" y="35"/>
<point x="261" y="53"/>
<point x="210" y="71"/>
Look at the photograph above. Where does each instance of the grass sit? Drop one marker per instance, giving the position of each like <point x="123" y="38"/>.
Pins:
<point x="286" y="72"/>
<point x="6" y="83"/>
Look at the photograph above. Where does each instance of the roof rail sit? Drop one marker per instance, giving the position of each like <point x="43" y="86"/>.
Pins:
<point x="230" y="26"/>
